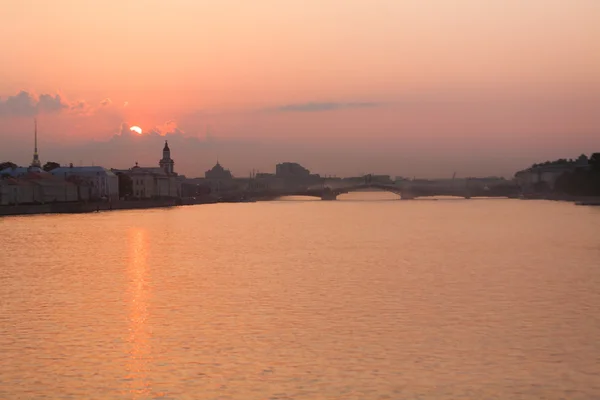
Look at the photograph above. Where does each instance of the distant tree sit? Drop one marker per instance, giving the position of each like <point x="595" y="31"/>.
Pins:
<point x="50" y="165"/>
<point x="7" y="164"/>
<point x="560" y="161"/>
<point x="125" y="185"/>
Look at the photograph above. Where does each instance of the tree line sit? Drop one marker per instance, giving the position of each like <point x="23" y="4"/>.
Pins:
<point x="49" y="166"/>
<point x="581" y="181"/>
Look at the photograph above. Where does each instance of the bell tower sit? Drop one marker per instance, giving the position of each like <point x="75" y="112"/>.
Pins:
<point x="166" y="163"/>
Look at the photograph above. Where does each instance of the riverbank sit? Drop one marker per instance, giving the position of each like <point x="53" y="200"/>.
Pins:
<point x="595" y="202"/>
<point x="578" y="200"/>
<point x="87" y="207"/>
<point x="81" y="207"/>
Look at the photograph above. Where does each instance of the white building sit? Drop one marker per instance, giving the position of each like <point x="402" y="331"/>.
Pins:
<point x="153" y="182"/>
<point x="36" y="188"/>
<point x="148" y="183"/>
<point x="102" y="183"/>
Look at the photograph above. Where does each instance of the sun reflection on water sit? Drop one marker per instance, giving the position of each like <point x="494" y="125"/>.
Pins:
<point x="139" y="291"/>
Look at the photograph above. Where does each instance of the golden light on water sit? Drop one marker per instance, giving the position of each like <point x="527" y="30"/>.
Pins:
<point x="139" y="336"/>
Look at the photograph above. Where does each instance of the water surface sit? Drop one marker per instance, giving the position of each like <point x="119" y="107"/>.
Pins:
<point x="363" y="298"/>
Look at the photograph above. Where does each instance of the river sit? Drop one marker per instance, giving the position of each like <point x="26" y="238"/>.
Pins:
<point x="366" y="297"/>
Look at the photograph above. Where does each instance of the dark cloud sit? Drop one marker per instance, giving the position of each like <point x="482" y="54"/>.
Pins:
<point x="50" y="104"/>
<point x="25" y="104"/>
<point x="316" y="107"/>
<point x="106" y="102"/>
<point x="22" y="105"/>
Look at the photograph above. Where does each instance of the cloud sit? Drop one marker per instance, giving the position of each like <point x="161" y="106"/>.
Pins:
<point x="27" y="104"/>
<point x="81" y="107"/>
<point x="168" y="128"/>
<point x="125" y="129"/>
<point x="106" y="102"/>
<point x="326" y="106"/>
<point x="50" y="104"/>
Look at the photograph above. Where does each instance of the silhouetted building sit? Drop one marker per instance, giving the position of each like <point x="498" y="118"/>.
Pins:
<point x="290" y="170"/>
<point x="545" y="175"/>
<point x="218" y="173"/>
<point x="155" y="182"/>
<point x="167" y="163"/>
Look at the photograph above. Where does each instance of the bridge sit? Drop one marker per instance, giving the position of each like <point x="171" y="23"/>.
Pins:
<point x="407" y="191"/>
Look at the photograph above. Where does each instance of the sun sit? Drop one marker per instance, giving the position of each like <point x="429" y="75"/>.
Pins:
<point x="136" y="129"/>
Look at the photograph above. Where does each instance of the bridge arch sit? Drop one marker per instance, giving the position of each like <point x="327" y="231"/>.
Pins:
<point x="331" y="193"/>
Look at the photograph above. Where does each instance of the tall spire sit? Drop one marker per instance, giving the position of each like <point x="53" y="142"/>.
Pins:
<point x="36" y="158"/>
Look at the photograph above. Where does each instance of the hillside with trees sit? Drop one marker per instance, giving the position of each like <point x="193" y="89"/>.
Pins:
<point x="581" y="181"/>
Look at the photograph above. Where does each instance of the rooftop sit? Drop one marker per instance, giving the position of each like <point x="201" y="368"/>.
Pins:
<point x="81" y="170"/>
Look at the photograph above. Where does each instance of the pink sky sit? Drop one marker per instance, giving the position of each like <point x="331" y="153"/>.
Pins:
<point x="405" y="87"/>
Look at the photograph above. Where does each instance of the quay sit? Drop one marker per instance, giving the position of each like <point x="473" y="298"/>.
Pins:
<point x="88" y="207"/>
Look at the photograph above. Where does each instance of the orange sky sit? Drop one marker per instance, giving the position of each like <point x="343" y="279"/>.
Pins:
<point x="389" y="70"/>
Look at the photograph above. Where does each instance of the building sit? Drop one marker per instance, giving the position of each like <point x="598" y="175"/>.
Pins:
<point x="16" y="172"/>
<point x="98" y="181"/>
<point x="149" y="183"/>
<point x="155" y="182"/>
<point x="220" y="179"/>
<point x="541" y="177"/>
<point x="37" y="188"/>
<point x="291" y="170"/>
<point x="218" y="173"/>
<point x="167" y="163"/>
<point x="14" y="191"/>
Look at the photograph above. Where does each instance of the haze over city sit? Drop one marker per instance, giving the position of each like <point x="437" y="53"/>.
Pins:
<point x="343" y="87"/>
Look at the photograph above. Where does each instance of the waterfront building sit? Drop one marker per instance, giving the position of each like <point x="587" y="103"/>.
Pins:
<point x="545" y="175"/>
<point x="295" y="175"/>
<point x="39" y="188"/>
<point x="218" y="173"/>
<point x="220" y="179"/>
<point x="148" y="183"/>
<point x="166" y="162"/>
<point x="155" y="182"/>
<point x="100" y="182"/>
<point x="291" y="170"/>
<point x="17" y="172"/>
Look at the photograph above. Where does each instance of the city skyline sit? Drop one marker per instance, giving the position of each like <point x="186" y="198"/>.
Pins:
<point x="133" y="132"/>
<point x="341" y="87"/>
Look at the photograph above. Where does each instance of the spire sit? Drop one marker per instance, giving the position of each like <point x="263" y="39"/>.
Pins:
<point x="166" y="148"/>
<point x="36" y="158"/>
